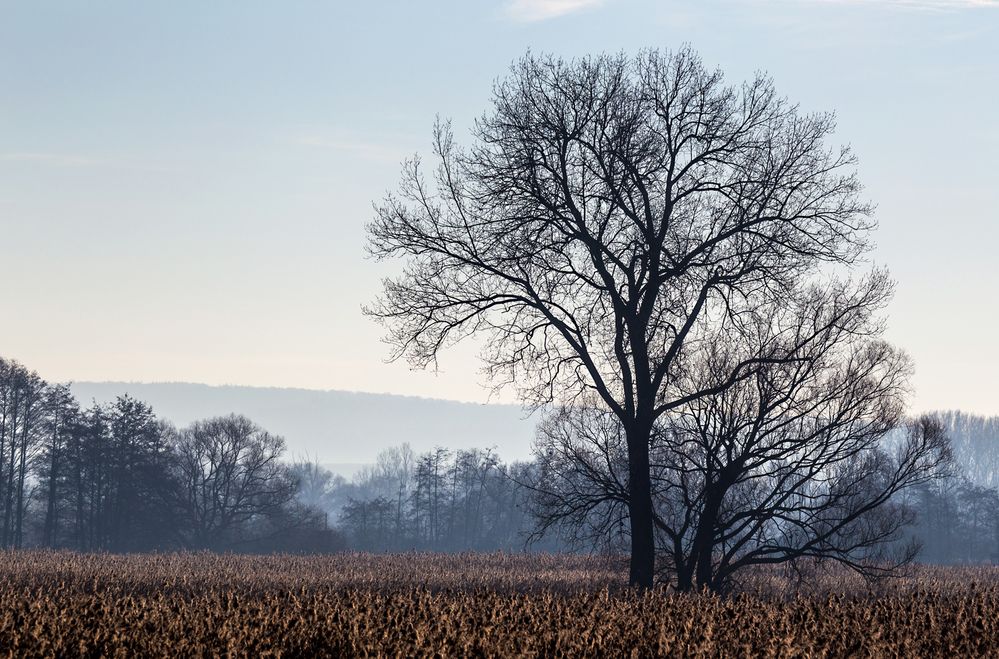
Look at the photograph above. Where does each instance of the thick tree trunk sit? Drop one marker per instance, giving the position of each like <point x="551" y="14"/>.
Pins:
<point x="705" y="571"/>
<point x="684" y="577"/>
<point x="643" y="551"/>
<point x="704" y="540"/>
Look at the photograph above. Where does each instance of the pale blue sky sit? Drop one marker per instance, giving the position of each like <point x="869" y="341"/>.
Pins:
<point x="183" y="185"/>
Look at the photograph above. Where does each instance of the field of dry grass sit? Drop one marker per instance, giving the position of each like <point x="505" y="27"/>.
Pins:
<point x="65" y="604"/>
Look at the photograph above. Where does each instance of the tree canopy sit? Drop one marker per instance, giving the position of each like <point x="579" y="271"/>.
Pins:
<point x="613" y="220"/>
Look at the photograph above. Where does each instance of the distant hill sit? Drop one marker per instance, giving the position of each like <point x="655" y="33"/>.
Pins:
<point x="339" y="428"/>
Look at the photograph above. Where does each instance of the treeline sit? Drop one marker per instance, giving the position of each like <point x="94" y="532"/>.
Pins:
<point x="469" y="500"/>
<point x="466" y="500"/>
<point x="958" y="517"/>
<point x="115" y="478"/>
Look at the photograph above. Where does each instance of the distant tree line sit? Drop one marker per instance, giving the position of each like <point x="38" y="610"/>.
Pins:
<point x="113" y="477"/>
<point x="958" y="519"/>
<point x="441" y="500"/>
<point x="468" y="500"/>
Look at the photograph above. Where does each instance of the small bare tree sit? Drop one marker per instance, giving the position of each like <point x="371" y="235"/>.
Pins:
<point x="803" y="460"/>
<point x="229" y="473"/>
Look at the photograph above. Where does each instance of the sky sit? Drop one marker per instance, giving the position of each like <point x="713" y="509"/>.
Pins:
<point x="184" y="185"/>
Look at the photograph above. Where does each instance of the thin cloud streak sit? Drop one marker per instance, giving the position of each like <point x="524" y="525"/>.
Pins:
<point x="917" y="4"/>
<point x="59" y="159"/>
<point x="72" y="160"/>
<point x="533" y="11"/>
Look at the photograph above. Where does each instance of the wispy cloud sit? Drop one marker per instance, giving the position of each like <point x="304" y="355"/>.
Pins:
<point x="58" y="159"/>
<point x="532" y="11"/>
<point x="918" y="4"/>
<point x="73" y="160"/>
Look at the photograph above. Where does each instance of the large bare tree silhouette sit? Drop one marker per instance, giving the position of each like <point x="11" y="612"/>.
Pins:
<point x="612" y="217"/>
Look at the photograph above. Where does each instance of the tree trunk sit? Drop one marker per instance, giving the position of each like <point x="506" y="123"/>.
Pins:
<point x="704" y="540"/>
<point x="22" y="472"/>
<point x="3" y="446"/>
<point x="9" y="485"/>
<point x="643" y="554"/>
<point x="684" y="577"/>
<point x="49" y="532"/>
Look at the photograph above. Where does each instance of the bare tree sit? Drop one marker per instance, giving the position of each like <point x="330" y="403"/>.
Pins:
<point x="63" y="415"/>
<point x="230" y="472"/>
<point x="138" y="480"/>
<point x="797" y="462"/>
<point x="612" y="215"/>
<point x="315" y="484"/>
<point x="579" y="486"/>
<point x="22" y="417"/>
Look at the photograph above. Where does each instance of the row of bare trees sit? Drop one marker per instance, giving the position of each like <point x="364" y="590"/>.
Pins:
<point x="467" y="500"/>
<point x="115" y="477"/>
<point x="957" y="521"/>
<point x="959" y="516"/>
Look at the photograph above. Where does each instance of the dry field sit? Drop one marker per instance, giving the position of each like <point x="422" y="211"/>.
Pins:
<point x="178" y="605"/>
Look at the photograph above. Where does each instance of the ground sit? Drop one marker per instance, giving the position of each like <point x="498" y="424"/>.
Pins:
<point x="68" y="604"/>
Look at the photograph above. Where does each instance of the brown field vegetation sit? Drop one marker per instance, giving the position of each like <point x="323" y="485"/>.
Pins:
<point x="66" y="604"/>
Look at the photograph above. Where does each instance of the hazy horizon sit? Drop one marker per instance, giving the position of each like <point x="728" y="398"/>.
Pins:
<point x="503" y="403"/>
<point x="326" y="426"/>
<point x="222" y="385"/>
